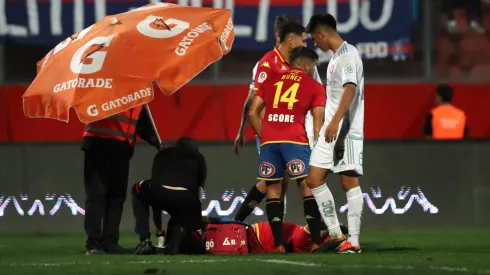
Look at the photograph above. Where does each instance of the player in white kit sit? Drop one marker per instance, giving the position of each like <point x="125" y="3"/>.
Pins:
<point x="340" y="145"/>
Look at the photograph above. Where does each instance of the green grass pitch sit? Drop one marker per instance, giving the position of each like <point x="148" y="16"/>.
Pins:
<point x="435" y="251"/>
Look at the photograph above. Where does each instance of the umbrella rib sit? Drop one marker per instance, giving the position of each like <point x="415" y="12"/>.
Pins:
<point x="100" y="47"/>
<point x="166" y="26"/>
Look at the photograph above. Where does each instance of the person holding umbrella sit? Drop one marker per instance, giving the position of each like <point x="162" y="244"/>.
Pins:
<point x="109" y="145"/>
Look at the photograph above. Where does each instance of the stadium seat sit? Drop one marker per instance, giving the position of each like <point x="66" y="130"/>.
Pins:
<point x="480" y="72"/>
<point x="475" y="47"/>
<point x="455" y="72"/>
<point x="444" y="50"/>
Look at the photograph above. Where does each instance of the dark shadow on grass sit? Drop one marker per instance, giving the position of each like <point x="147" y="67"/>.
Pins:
<point x="371" y="247"/>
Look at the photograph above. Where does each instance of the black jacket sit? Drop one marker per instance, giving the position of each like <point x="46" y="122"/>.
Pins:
<point x="179" y="167"/>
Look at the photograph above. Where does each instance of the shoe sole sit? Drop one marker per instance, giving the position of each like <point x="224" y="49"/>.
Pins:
<point x="90" y="253"/>
<point x="329" y="246"/>
<point x="350" y="252"/>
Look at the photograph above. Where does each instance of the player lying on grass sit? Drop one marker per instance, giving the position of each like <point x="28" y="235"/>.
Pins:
<point x="296" y="238"/>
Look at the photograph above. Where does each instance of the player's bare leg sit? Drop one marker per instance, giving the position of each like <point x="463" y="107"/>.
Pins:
<point x="324" y="199"/>
<point x="311" y="211"/>
<point x="275" y="213"/>
<point x="285" y="184"/>
<point x="355" y="201"/>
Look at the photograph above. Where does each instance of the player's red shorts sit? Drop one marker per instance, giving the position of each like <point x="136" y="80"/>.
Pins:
<point x="296" y="237"/>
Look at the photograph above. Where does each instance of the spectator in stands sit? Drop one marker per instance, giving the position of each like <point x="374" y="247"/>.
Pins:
<point x="473" y="10"/>
<point x="445" y="121"/>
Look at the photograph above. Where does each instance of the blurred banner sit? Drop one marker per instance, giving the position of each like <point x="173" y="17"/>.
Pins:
<point x="378" y="28"/>
<point x="212" y="113"/>
<point x="406" y="184"/>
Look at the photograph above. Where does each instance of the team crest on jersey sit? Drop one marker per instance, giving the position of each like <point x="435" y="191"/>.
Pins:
<point x="296" y="167"/>
<point x="262" y="77"/>
<point x="349" y="69"/>
<point x="283" y="68"/>
<point x="332" y="68"/>
<point x="266" y="169"/>
<point x="266" y="64"/>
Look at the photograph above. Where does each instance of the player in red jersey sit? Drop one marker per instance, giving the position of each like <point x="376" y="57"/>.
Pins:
<point x="279" y="23"/>
<point x="258" y="192"/>
<point x="287" y="97"/>
<point x="296" y="238"/>
<point x="289" y="35"/>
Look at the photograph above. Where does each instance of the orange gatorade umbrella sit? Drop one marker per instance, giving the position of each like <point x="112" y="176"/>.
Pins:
<point x="119" y="62"/>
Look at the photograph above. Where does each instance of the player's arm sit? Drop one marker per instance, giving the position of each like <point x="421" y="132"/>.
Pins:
<point x="157" y="219"/>
<point x="349" y="82"/>
<point x="318" y="110"/>
<point x="246" y="108"/>
<point x="317" y="77"/>
<point x="146" y="131"/>
<point x="248" y="103"/>
<point x="254" y="114"/>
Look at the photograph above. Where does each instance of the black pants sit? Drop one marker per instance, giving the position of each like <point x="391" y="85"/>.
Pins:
<point x="106" y="183"/>
<point x="183" y="207"/>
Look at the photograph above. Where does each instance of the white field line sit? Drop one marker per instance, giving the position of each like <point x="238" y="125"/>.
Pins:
<point x="289" y="262"/>
<point x="386" y="267"/>
<point x="279" y="262"/>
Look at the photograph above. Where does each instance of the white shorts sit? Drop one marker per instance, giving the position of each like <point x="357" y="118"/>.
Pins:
<point x="323" y="156"/>
<point x="311" y="141"/>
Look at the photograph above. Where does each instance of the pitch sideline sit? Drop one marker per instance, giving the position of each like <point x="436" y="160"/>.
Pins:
<point x="390" y="267"/>
<point x="279" y="262"/>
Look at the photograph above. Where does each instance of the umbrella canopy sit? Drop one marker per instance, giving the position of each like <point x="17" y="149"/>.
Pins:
<point x="121" y="61"/>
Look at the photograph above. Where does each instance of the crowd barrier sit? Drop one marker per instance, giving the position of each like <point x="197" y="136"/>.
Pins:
<point x="212" y="113"/>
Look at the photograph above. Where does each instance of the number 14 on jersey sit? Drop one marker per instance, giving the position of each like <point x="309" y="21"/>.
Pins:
<point x="289" y="96"/>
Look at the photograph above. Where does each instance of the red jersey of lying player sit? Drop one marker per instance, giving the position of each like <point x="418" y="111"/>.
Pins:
<point x="288" y="97"/>
<point x="271" y="63"/>
<point x="296" y="237"/>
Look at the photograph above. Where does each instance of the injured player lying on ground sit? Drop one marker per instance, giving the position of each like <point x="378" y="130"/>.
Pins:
<point x="227" y="236"/>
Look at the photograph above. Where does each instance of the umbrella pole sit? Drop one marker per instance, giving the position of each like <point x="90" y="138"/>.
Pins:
<point x="153" y="123"/>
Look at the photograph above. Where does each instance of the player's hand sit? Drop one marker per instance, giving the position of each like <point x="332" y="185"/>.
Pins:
<point x="331" y="131"/>
<point x="238" y="142"/>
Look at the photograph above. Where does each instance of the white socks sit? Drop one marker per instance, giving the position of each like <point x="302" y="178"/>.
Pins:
<point x="355" y="202"/>
<point x="161" y="242"/>
<point x="326" y="204"/>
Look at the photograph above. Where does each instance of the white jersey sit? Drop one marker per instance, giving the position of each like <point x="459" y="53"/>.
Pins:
<point x="346" y="67"/>
<point x="309" y="117"/>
